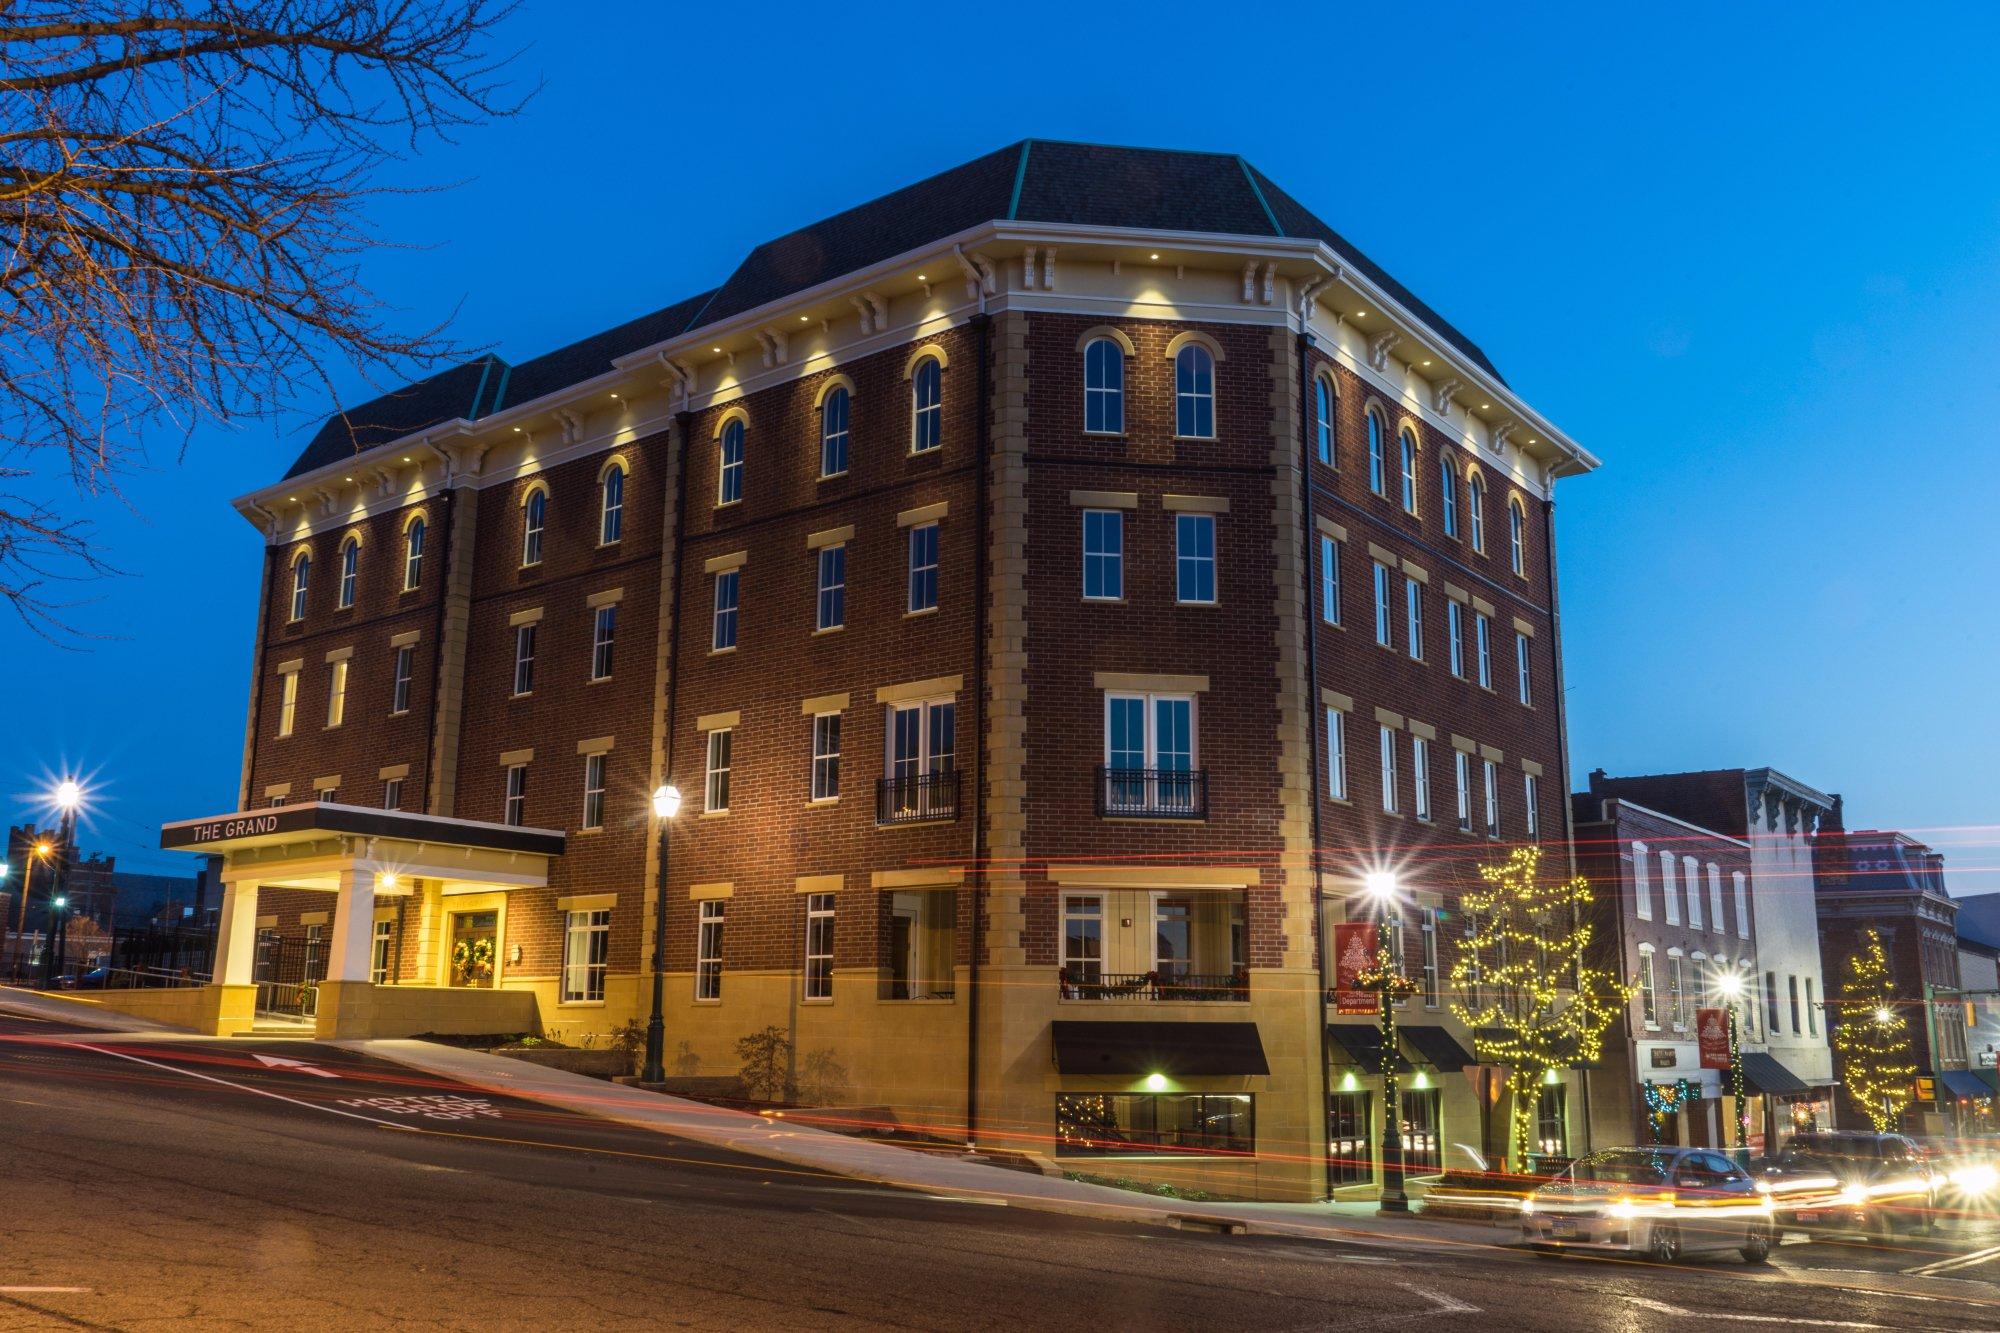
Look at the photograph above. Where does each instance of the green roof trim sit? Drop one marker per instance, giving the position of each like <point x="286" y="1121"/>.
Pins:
<point x="1262" y="202"/>
<point x="479" y="389"/>
<point x="1020" y="178"/>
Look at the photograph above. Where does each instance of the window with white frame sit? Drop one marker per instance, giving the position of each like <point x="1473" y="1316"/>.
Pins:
<point x="708" y="951"/>
<point x="326" y="794"/>
<point x="1388" y="748"/>
<point x="534" y="521"/>
<point x="723" y="633"/>
<point x="1383" y="634"/>
<point x="825" y="756"/>
<point x="729" y="464"/>
<point x="1669" y="893"/>
<point x="1482" y="634"/>
<point x="1103" y="554"/>
<point x="1642" y="888"/>
<point x="1448" y="492"/>
<point x="1420" y="770"/>
<point x="1715" y="898"/>
<point x="923" y="568"/>
<point x="1649" y="988"/>
<point x="833" y="433"/>
<point x="1428" y="984"/>
<point x="1323" y="403"/>
<point x="1413" y="611"/>
<point x="524" y="658"/>
<point x="1517" y="536"/>
<point x="1812" y="1010"/>
<point x="336" y="693"/>
<point x="1676" y="989"/>
<point x="603" y="635"/>
<point x="923" y="739"/>
<point x="1336" y="754"/>
<point x="1408" y="444"/>
<point x="399" y="693"/>
<point x="715" y="789"/>
<point x="392" y="793"/>
<point x="611" y="506"/>
<point x="586" y="955"/>
<point x="1378" y="476"/>
<point x="1082" y="945"/>
<point x="593" y="790"/>
<point x="1462" y="772"/>
<point x="819" y="946"/>
<point x="1194" y="393"/>
<point x="288" y="702"/>
<point x="1475" y="510"/>
<point x="927" y="406"/>
<point x="350" y="570"/>
<point x="301" y="578"/>
<point x="1741" y="884"/>
<point x="1521" y="668"/>
<point x="515" y="810"/>
<point x="1691" y="881"/>
<point x="382" y="953"/>
<point x="1329" y="580"/>
<point x="1454" y="627"/>
<point x="1149" y="751"/>
<point x="1194" y="558"/>
<point x="831" y="606"/>
<point x="1104" y="387"/>
<point x="413" y="556"/>
<point x="1531" y="798"/>
<point x="1490" y="773"/>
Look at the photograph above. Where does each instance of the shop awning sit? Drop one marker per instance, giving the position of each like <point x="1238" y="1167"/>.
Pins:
<point x="1964" y="1083"/>
<point x="1176" y="1048"/>
<point x="1437" y="1048"/>
<point x="1763" y="1074"/>
<point x="1363" y="1044"/>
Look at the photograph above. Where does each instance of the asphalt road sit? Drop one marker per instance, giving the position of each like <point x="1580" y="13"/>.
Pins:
<point x="154" y="1182"/>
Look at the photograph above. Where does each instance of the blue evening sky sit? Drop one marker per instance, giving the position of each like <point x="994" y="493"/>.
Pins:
<point x="1749" y="257"/>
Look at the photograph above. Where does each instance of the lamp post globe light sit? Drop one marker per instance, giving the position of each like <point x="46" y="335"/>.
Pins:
<point x="68" y="796"/>
<point x="666" y="804"/>
<point x="1380" y="886"/>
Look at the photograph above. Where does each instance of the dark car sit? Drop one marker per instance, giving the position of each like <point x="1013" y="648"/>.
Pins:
<point x="1662" y="1202"/>
<point x="1830" y="1181"/>
<point x="94" y="979"/>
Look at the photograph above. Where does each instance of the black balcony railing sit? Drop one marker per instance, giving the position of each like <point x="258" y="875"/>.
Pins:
<point x="1153" y="793"/>
<point x="1089" y="984"/>
<point x="918" y="798"/>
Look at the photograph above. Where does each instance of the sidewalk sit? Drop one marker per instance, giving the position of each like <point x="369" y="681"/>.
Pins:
<point x="924" y="1172"/>
<point x="76" y="1007"/>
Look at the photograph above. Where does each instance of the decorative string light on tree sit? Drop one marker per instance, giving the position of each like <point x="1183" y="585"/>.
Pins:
<point x="1666" y="1099"/>
<point x="1874" y="1038"/>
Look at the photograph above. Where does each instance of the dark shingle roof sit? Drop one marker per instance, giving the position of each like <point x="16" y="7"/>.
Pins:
<point x="445" y="396"/>
<point x="591" y="356"/>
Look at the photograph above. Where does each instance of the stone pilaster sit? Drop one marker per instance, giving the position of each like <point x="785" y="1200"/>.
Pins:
<point x="454" y="629"/>
<point x="1295" y="715"/>
<point x="1007" y="644"/>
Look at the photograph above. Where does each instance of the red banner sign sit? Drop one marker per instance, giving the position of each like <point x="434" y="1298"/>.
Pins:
<point x="1354" y="952"/>
<point x="1711" y="1029"/>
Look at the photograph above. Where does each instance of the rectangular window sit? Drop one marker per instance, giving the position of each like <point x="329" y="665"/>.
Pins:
<point x="1792" y="985"/>
<point x="524" y="659"/>
<point x="1422" y="1148"/>
<point x="327" y="794"/>
<point x="1336" y="754"/>
<point x="1812" y="1010"/>
<point x="917" y="947"/>
<point x="1691" y="881"/>
<point x="1521" y="668"/>
<point x="715" y="791"/>
<point x="382" y="953"/>
<point x="1462" y="769"/>
<point x="1552" y="1120"/>
<point x="1642" y="888"/>
<point x="819" y="946"/>
<point x="1490" y="773"/>
<point x="1429" y="981"/>
<point x="392" y="793"/>
<point x="708" y="950"/>
<point x="593" y="791"/>
<point x="1531" y="798"/>
<point x="1454" y="625"/>
<point x="1669" y="893"/>
<point x="1103" y="554"/>
<point x="1329" y="580"/>
<point x="1350" y="1150"/>
<point x="603" y="634"/>
<point x="1194" y="558"/>
<point x="1382" y="633"/>
<point x="516" y="809"/>
<point x="826" y="756"/>
<point x="586" y="955"/>
<point x="1149" y="753"/>
<point x="1715" y="898"/>
<point x="1388" y="739"/>
<point x="1083" y="946"/>
<point x="1413" y="608"/>
<point x="923" y="567"/>
<point x="1420" y="768"/>
<point x="1111" y="1124"/>
<point x="399" y="697"/>
<point x="1742" y="886"/>
<point x="832" y="605"/>
<point x="1484" y="642"/>
<point x="724" y="635"/>
<point x="1649" y="990"/>
<point x="1676" y="991"/>
<point x="336" y="694"/>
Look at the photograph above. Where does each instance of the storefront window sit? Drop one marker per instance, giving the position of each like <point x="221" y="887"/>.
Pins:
<point x="1091" y="1124"/>
<point x="1349" y="1152"/>
<point x="1552" y="1120"/>
<point x="1420" y="1131"/>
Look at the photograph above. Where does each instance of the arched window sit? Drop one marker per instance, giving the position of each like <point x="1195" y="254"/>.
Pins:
<point x="1378" y="477"/>
<point x="1408" y="443"/>
<point x="611" y="506"/>
<point x="833" y="434"/>
<point x="1475" y="507"/>
<point x="1517" y="536"/>
<point x="729" y="483"/>
<point x="1323" y="417"/>
<point x="927" y="406"/>
<point x="1104" y="387"/>
<point x="535" y="517"/>
<point x="1448" y="490"/>
<point x="301" y="576"/>
<point x="350" y="570"/>
<point x="413" y="555"/>
<point x="1194" y="393"/>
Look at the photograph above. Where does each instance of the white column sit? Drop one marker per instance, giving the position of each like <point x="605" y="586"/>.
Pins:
<point x="236" y="934"/>
<point x="353" y="927"/>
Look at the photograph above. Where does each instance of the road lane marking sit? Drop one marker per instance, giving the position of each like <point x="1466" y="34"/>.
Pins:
<point x="1441" y="1303"/>
<point x="431" y="1106"/>
<point x="240" y="1087"/>
<point x="1956" y="1262"/>
<point x="284" y="1062"/>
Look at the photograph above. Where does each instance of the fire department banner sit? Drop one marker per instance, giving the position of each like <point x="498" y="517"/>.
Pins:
<point x="1711" y="1029"/>
<point x="1354" y="949"/>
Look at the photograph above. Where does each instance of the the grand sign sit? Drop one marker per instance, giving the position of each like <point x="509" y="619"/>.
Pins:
<point x="234" y="828"/>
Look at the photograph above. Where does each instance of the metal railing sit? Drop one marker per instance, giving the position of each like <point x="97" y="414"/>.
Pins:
<point x="918" y="798"/>
<point x="1078" y="984"/>
<point x="1153" y="793"/>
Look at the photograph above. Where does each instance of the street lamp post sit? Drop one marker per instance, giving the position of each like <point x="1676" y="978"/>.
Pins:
<point x="666" y="804"/>
<point x="39" y="851"/>
<point x="1731" y="986"/>
<point x="68" y="796"/>
<point x="1381" y="889"/>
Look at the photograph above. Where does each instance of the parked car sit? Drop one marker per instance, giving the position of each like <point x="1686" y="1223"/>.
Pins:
<point x="1970" y="1171"/>
<point x="1663" y="1202"/>
<point x="95" y="978"/>
<point x="1833" y="1181"/>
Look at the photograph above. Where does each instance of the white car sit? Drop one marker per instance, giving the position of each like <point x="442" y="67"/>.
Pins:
<point x="1663" y="1202"/>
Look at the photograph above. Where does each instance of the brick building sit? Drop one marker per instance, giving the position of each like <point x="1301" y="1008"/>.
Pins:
<point x="1053" y="586"/>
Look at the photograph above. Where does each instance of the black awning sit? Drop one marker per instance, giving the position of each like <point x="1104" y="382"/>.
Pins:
<point x="1964" y="1083"/>
<point x="1141" y="1047"/>
<point x="304" y="818"/>
<point x="1363" y="1044"/>
<point x="1762" y="1073"/>
<point x="1437" y="1048"/>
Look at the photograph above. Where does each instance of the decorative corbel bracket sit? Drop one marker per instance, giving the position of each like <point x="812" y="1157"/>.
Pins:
<point x="1380" y="346"/>
<point x="1441" y="393"/>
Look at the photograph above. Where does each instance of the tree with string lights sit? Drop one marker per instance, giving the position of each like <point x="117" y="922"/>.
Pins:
<point x="1522" y="983"/>
<point x="1873" y="1038"/>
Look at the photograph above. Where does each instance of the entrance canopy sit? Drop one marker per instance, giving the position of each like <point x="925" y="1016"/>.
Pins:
<point x="1138" y="1047"/>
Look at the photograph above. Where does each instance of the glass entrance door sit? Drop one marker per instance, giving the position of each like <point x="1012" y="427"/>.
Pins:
<point x="475" y="947"/>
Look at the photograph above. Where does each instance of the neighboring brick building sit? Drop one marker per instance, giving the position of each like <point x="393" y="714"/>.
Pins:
<point x="1052" y="586"/>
